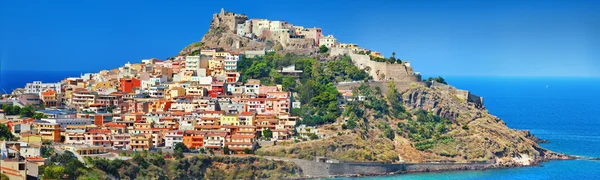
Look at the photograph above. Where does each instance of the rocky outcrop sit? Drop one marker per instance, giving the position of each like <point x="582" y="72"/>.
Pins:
<point x="482" y="136"/>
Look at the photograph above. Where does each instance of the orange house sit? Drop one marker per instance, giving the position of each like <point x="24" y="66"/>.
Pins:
<point x="193" y="139"/>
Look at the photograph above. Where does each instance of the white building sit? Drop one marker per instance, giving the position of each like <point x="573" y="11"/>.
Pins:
<point x="231" y="62"/>
<point x="329" y="41"/>
<point x="259" y="25"/>
<point x="192" y="63"/>
<point x="37" y="86"/>
<point x="64" y="122"/>
<point x="173" y="137"/>
<point x="277" y="25"/>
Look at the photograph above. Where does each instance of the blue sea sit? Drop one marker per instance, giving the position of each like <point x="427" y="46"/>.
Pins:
<point x="563" y="110"/>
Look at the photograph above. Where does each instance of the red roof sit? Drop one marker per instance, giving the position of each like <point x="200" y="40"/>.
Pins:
<point x="49" y="92"/>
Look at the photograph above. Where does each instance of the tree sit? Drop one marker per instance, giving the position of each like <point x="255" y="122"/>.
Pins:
<point x="3" y="176"/>
<point x="289" y="83"/>
<point x="5" y="133"/>
<point x="394" y="55"/>
<point x="277" y="77"/>
<point x="39" y="116"/>
<point x="323" y="49"/>
<point x="181" y="147"/>
<point x="313" y="136"/>
<point x="26" y="111"/>
<point x="53" y="172"/>
<point x="247" y="151"/>
<point x="226" y="150"/>
<point x="438" y="79"/>
<point x="268" y="134"/>
<point x="111" y="108"/>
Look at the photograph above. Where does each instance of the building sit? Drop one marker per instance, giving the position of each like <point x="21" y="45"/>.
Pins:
<point x="290" y="70"/>
<point x="173" y="137"/>
<point x="240" y="143"/>
<point x="98" y="137"/>
<point x="49" y="131"/>
<point x="50" y="98"/>
<point x="254" y="54"/>
<point x="304" y="131"/>
<point x="141" y="141"/>
<point x="217" y="89"/>
<point x="329" y="41"/>
<point x="231" y="62"/>
<point x="229" y="119"/>
<point x="312" y="33"/>
<point x="30" y="99"/>
<point x="193" y="139"/>
<point x="129" y="84"/>
<point x="214" y="140"/>
<point x="64" y="122"/>
<point x="121" y="141"/>
<point x="37" y="86"/>
<point x="82" y="97"/>
<point x="278" y="102"/>
<point x="85" y="149"/>
<point x="376" y="54"/>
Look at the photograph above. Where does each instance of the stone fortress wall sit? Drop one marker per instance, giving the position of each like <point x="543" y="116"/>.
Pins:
<point x="382" y="72"/>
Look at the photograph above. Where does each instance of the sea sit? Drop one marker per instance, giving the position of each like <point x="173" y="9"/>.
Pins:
<point x="563" y="110"/>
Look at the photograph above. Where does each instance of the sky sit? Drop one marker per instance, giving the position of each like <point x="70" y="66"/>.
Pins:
<point x="448" y="38"/>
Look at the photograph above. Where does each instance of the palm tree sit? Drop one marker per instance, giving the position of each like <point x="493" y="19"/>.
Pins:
<point x="394" y="54"/>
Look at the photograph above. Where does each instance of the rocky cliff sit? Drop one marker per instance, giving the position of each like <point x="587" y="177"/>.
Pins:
<point x="475" y="136"/>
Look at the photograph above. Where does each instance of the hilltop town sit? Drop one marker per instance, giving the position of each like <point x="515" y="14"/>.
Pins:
<point x="256" y="86"/>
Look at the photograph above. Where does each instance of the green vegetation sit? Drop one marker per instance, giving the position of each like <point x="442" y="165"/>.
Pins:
<point x="427" y="130"/>
<point x="26" y="111"/>
<point x="66" y="166"/>
<point x="3" y="177"/>
<point x="158" y="166"/>
<point x="315" y="86"/>
<point x="5" y="133"/>
<point x="438" y="79"/>
<point x="323" y="49"/>
<point x="267" y="134"/>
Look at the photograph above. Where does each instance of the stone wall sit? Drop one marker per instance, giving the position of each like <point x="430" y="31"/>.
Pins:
<point x="346" y="169"/>
<point x="380" y="71"/>
<point x="464" y="95"/>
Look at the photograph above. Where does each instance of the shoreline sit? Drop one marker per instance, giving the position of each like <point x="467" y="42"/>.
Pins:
<point x="419" y="167"/>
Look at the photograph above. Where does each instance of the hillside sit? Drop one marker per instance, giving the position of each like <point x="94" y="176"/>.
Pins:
<point x="407" y="121"/>
<point x="420" y="124"/>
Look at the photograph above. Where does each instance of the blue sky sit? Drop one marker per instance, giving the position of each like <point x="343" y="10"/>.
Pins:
<point x="452" y="38"/>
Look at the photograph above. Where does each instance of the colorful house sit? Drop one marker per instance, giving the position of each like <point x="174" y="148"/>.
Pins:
<point x="229" y="119"/>
<point x="129" y="84"/>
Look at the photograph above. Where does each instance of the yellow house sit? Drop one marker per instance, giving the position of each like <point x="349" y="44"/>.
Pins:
<point x="376" y="54"/>
<point x="207" y="52"/>
<point x="222" y="54"/>
<point x="229" y="119"/>
<point x="137" y="67"/>
<point x="32" y="138"/>
<point x="49" y="131"/>
<point x="141" y="141"/>
<point x="215" y="65"/>
<point x="175" y="91"/>
<point x="349" y="46"/>
<point x="105" y="85"/>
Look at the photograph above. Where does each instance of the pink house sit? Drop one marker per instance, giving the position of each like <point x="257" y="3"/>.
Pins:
<point x="267" y="89"/>
<point x="255" y="104"/>
<point x="278" y="102"/>
<point x="98" y="137"/>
